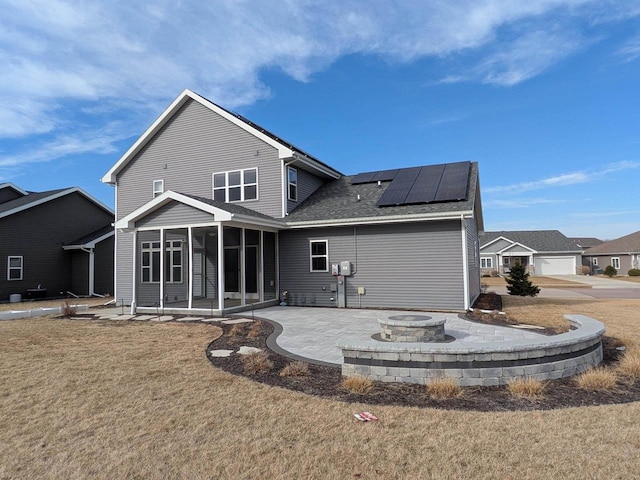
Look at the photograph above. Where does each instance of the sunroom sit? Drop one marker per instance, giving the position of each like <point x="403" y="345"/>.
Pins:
<point x="197" y="255"/>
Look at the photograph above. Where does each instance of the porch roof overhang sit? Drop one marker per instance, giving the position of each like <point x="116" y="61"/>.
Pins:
<point x="219" y="214"/>
<point x="525" y="250"/>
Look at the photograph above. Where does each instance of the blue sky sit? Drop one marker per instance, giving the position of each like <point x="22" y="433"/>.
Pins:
<point x="545" y="94"/>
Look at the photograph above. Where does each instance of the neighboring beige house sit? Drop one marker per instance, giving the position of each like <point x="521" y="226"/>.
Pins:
<point x="622" y="253"/>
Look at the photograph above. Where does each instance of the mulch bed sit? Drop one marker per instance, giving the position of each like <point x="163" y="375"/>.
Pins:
<point x="325" y="381"/>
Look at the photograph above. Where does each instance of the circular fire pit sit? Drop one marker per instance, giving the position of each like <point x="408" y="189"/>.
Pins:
<point x="412" y="328"/>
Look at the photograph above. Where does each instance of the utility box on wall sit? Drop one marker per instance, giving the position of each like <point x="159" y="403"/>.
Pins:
<point x="342" y="268"/>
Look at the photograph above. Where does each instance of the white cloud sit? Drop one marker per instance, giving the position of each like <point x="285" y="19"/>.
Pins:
<point x="565" y="179"/>
<point x="520" y="203"/>
<point x="130" y="58"/>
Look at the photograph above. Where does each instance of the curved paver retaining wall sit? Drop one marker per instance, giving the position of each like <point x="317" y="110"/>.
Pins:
<point x="496" y="363"/>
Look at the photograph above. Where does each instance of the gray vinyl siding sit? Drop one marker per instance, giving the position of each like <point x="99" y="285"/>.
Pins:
<point x="473" y="260"/>
<point x="175" y="213"/>
<point x="38" y="234"/>
<point x="626" y="262"/>
<point x="413" y="265"/>
<point x="307" y="184"/>
<point x="194" y="144"/>
<point x="496" y="246"/>
<point x="124" y="266"/>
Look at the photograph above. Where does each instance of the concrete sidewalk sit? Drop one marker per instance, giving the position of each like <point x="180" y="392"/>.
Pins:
<point x="596" y="282"/>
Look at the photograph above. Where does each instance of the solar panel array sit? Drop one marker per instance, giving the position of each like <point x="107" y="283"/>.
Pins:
<point x="428" y="184"/>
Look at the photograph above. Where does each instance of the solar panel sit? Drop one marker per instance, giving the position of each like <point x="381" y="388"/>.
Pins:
<point x="427" y="184"/>
<point x="363" y="178"/>
<point x="392" y="197"/>
<point x="385" y="175"/>
<point x="421" y="195"/>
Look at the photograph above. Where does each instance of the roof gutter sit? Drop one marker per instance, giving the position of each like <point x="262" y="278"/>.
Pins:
<point x="378" y="220"/>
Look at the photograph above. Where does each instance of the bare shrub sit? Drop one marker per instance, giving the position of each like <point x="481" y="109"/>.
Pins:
<point x="585" y="269"/>
<point x="236" y="331"/>
<point x="445" y="387"/>
<point x="257" y="362"/>
<point x="295" y="369"/>
<point x="357" y="384"/>
<point x="68" y="310"/>
<point x="629" y="365"/>
<point x="493" y="273"/>
<point x="597" y="379"/>
<point x="255" y="330"/>
<point x="526" y="387"/>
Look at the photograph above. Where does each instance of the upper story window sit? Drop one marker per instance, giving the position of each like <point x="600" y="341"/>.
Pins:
<point x="236" y="185"/>
<point x="14" y="268"/>
<point x="292" y="182"/>
<point x="158" y="187"/>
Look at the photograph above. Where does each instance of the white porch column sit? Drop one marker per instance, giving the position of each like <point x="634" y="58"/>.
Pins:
<point x="190" y="269"/>
<point x="261" y="270"/>
<point x="134" y="275"/>
<point x="243" y="272"/>
<point x="220" y="267"/>
<point x="162" y="254"/>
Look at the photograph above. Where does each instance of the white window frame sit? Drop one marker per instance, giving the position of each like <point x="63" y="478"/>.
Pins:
<point x="242" y="185"/>
<point x="615" y="263"/>
<point x="292" y="184"/>
<point x="487" y="261"/>
<point x="149" y="247"/>
<point x="10" y="268"/>
<point x="158" y="188"/>
<point x="313" y="256"/>
<point x="595" y="261"/>
<point x="169" y="264"/>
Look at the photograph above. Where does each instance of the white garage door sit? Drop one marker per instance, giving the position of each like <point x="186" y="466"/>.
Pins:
<point x="555" y="265"/>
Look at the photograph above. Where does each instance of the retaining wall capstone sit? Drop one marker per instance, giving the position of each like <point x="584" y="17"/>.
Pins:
<point x="498" y="363"/>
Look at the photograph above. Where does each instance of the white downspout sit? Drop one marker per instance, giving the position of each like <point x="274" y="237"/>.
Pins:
<point x="190" y="269"/>
<point x="220" y="267"/>
<point x="465" y="264"/>
<point x="134" y="276"/>
<point x="162" y="254"/>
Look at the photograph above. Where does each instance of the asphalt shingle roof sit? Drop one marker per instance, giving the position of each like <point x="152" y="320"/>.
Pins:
<point x="627" y="244"/>
<point x="229" y="207"/>
<point x="586" y="242"/>
<point x="538" y="240"/>
<point x="27" y="199"/>
<point x="92" y="236"/>
<point x="338" y="200"/>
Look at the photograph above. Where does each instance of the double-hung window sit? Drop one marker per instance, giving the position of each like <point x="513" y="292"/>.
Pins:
<point x="615" y="262"/>
<point x="236" y="185"/>
<point x="14" y="268"/>
<point x="150" y="262"/>
<point x="172" y="262"/>
<point x="319" y="255"/>
<point x="292" y="181"/>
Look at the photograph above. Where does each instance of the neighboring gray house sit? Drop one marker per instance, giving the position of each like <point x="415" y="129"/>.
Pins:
<point x="214" y="213"/>
<point x="622" y="253"/>
<point x="543" y="252"/>
<point x="38" y="228"/>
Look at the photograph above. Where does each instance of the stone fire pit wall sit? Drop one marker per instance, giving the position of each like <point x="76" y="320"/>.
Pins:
<point x="499" y="363"/>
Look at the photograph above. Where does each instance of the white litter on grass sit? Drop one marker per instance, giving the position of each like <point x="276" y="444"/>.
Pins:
<point x="239" y="320"/>
<point x="248" y="350"/>
<point x="492" y="311"/>
<point x="220" y="353"/>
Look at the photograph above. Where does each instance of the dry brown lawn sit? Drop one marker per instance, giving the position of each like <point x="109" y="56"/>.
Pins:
<point x="83" y="399"/>
<point x="628" y="279"/>
<point x="92" y="302"/>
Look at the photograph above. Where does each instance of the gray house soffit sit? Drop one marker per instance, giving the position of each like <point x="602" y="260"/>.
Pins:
<point x="24" y="203"/>
<point x="285" y="150"/>
<point x="221" y="212"/>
